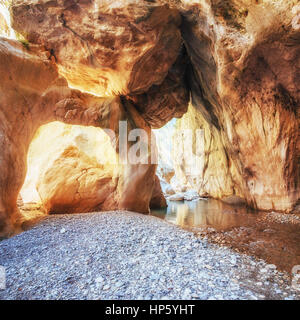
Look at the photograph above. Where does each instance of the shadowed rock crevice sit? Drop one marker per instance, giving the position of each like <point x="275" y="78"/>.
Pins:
<point x="83" y="63"/>
<point x="244" y="80"/>
<point x="162" y="103"/>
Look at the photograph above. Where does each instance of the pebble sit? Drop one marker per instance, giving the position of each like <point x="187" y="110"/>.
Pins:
<point x="124" y="255"/>
<point x="99" y="280"/>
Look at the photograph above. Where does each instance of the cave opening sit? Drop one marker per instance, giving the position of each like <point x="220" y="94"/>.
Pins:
<point x="184" y="165"/>
<point x="70" y="169"/>
<point x="221" y="81"/>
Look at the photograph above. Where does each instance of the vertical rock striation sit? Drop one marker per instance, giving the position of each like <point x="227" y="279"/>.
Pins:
<point x="199" y="157"/>
<point x="244" y="80"/>
<point x="95" y="63"/>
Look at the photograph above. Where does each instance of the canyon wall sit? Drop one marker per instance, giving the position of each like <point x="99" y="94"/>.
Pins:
<point x="199" y="157"/>
<point x="95" y="63"/>
<point x="105" y="47"/>
<point x="32" y="94"/>
<point x="245" y="79"/>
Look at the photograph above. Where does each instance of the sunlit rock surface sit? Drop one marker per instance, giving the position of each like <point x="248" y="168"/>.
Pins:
<point x="5" y="25"/>
<point x="245" y="82"/>
<point x="4" y="29"/>
<point x="32" y="94"/>
<point x="165" y="169"/>
<point x="79" y="172"/>
<point x="94" y="63"/>
<point x="29" y="93"/>
<point x="104" y="47"/>
<point x="199" y="158"/>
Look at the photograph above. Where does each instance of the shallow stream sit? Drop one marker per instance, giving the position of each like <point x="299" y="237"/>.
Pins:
<point x="272" y="236"/>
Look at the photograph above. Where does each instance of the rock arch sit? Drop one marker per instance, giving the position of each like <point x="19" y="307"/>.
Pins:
<point x="241" y="67"/>
<point x="34" y="94"/>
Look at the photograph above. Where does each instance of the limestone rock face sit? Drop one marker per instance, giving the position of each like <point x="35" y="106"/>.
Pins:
<point x="4" y="28"/>
<point x="30" y="88"/>
<point x="80" y="172"/>
<point x="75" y="183"/>
<point x="169" y="100"/>
<point x="32" y="94"/>
<point x="158" y="199"/>
<point x="244" y="81"/>
<point x="96" y="63"/>
<point x="199" y="157"/>
<point x="104" y="47"/>
<point x="165" y="169"/>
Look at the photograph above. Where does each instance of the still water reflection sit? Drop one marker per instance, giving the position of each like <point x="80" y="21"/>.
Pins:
<point x="268" y="236"/>
<point x="206" y="213"/>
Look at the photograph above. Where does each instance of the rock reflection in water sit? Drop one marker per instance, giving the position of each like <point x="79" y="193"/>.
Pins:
<point x="206" y="213"/>
<point x="272" y="236"/>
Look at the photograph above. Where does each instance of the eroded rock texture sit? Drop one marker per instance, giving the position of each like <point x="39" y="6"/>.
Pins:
<point x="126" y="61"/>
<point x="32" y="94"/>
<point x="158" y="199"/>
<point x="104" y="47"/>
<point x="80" y="172"/>
<point x="161" y="103"/>
<point x="199" y="157"/>
<point x="244" y="80"/>
<point x="77" y="173"/>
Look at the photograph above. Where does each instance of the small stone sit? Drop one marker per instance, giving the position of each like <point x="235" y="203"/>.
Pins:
<point x="208" y="267"/>
<point x="177" y="197"/>
<point x="99" y="280"/>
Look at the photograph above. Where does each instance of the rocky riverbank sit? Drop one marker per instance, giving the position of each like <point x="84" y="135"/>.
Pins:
<point x="123" y="255"/>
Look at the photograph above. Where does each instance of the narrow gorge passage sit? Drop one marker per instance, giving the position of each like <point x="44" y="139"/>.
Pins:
<point x="149" y="149"/>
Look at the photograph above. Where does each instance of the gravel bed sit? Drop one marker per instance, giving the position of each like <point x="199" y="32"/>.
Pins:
<point x="124" y="255"/>
<point x="283" y="218"/>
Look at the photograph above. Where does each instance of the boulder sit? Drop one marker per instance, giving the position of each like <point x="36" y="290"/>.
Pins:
<point x="191" y="195"/>
<point x="169" y="191"/>
<point x="176" y="197"/>
<point x="81" y="172"/>
<point x="72" y="182"/>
